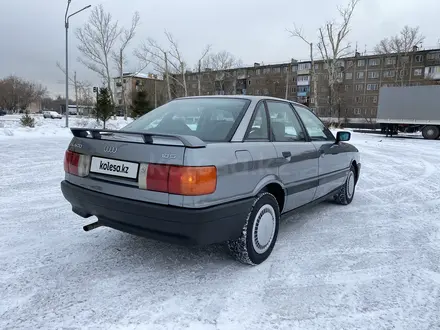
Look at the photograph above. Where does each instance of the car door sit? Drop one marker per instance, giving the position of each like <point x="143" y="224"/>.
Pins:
<point x="333" y="163"/>
<point x="297" y="156"/>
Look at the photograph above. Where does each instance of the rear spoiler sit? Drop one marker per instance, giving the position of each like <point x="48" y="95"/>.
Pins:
<point x="188" y="141"/>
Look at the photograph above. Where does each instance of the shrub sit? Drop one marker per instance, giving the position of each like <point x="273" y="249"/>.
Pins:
<point x="27" y="121"/>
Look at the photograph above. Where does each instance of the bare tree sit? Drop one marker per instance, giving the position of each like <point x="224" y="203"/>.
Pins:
<point x="200" y="62"/>
<point x="298" y="33"/>
<point x="96" y="41"/>
<point x="83" y="94"/>
<point x="167" y="61"/>
<point x="222" y="63"/>
<point x="397" y="48"/>
<point x="118" y="57"/>
<point x="333" y="47"/>
<point x="17" y="93"/>
<point x="152" y="52"/>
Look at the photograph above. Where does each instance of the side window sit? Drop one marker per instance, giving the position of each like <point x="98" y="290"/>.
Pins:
<point x="316" y="129"/>
<point x="284" y="123"/>
<point x="259" y="130"/>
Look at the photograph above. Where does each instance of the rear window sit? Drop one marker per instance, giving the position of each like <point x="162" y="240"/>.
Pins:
<point x="210" y="119"/>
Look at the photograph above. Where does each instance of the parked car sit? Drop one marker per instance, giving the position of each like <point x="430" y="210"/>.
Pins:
<point x="248" y="162"/>
<point x="3" y="113"/>
<point x="52" y="114"/>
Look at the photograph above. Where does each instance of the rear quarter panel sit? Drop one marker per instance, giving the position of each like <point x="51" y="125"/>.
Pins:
<point x="241" y="169"/>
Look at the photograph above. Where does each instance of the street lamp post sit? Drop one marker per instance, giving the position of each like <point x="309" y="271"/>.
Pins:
<point x="66" y="25"/>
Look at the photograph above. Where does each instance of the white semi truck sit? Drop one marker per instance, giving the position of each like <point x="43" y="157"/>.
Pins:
<point x="410" y="109"/>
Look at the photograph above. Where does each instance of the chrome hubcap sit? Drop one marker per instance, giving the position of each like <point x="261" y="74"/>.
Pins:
<point x="350" y="184"/>
<point x="430" y="132"/>
<point x="263" y="229"/>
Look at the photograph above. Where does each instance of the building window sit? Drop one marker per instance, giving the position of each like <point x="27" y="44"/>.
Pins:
<point x="303" y="78"/>
<point x="358" y="99"/>
<point x="389" y="73"/>
<point x="249" y="82"/>
<point x="257" y="92"/>
<point x="419" y="58"/>
<point x="361" y="63"/>
<point x="373" y="62"/>
<point x="317" y="66"/>
<point x="433" y="56"/>
<point x="349" y="76"/>
<point x="266" y="70"/>
<point x="359" y="87"/>
<point x="360" y="75"/>
<point x="372" y="87"/>
<point x="194" y="86"/>
<point x="294" y="68"/>
<point x="418" y="72"/>
<point x="294" y="79"/>
<point x="373" y="74"/>
<point x="285" y="69"/>
<point x="403" y="73"/>
<point x="347" y="87"/>
<point x="350" y="63"/>
<point x="390" y="61"/>
<point x="277" y="70"/>
<point x="257" y="72"/>
<point x="304" y="66"/>
<point x="374" y="99"/>
<point x="357" y="111"/>
<point x="292" y="89"/>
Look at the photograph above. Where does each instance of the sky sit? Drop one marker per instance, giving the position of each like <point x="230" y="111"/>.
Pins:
<point x="33" y="35"/>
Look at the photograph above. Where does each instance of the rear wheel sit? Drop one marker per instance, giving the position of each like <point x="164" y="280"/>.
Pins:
<point x="260" y="231"/>
<point x="431" y="132"/>
<point x="346" y="194"/>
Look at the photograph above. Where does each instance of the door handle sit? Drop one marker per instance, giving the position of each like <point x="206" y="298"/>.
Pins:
<point x="287" y="154"/>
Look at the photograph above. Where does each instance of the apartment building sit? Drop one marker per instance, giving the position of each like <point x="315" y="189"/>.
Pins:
<point x="356" y="88"/>
<point x="151" y="84"/>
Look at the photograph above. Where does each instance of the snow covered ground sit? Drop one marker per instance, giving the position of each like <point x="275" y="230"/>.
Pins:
<point x="10" y="126"/>
<point x="374" y="264"/>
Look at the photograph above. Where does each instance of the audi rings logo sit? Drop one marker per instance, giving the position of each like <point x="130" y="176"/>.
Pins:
<point x="110" y="150"/>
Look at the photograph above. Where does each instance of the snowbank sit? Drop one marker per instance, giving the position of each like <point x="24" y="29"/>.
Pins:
<point x="10" y="126"/>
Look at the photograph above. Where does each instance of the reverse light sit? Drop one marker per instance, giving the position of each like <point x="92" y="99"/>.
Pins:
<point x="76" y="164"/>
<point x="178" y="180"/>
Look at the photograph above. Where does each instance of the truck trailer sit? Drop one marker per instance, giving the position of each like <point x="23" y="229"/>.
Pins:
<point x="409" y="110"/>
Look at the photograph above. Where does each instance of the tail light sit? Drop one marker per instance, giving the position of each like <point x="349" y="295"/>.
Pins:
<point x="178" y="180"/>
<point x="76" y="164"/>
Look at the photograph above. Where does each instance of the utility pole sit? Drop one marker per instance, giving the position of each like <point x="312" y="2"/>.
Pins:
<point x="315" y="81"/>
<point x="155" y="92"/>
<point x="76" y="92"/>
<point x="66" y="26"/>
<point x="287" y="81"/>
<point x="167" y="77"/>
<point x="121" y="74"/>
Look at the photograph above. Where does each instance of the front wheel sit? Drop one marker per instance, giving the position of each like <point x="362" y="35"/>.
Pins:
<point x="345" y="194"/>
<point x="260" y="231"/>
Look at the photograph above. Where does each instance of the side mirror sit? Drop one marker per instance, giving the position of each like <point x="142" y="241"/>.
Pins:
<point x="343" y="136"/>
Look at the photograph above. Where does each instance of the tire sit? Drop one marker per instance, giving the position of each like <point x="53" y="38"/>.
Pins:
<point x="346" y="194"/>
<point x="247" y="249"/>
<point x="431" y="132"/>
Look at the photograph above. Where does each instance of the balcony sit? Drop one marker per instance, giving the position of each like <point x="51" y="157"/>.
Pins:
<point x="303" y="81"/>
<point x="432" y="72"/>
<point x="303" y="71"/>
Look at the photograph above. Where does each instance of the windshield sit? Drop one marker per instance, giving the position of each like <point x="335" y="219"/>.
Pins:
<point x="210" y="119"/>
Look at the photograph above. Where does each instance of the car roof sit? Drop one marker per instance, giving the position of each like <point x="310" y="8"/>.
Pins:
<point x="246" y="97"/>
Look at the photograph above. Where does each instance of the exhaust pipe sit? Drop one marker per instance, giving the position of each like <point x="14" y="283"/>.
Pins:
<point x="92" y="226"/>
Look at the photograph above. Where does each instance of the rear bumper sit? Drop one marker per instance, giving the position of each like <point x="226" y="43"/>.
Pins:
<point x="161" y="222"/>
